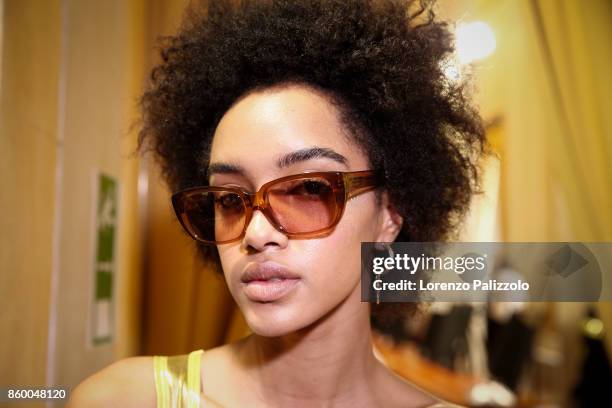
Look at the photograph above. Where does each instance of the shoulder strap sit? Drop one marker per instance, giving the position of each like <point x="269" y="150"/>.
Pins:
<point x="177" y="380"/>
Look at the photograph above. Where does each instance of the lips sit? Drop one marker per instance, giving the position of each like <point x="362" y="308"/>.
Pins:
<point x="268" y="281"/>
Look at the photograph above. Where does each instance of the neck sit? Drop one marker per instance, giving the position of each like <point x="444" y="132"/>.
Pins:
<point x="328" y="363"/>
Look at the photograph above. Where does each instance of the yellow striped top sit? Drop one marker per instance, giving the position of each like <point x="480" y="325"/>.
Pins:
<point x="177" y="380"/>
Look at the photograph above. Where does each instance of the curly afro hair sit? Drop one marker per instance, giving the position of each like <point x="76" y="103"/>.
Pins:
<point x="379" y="61"/>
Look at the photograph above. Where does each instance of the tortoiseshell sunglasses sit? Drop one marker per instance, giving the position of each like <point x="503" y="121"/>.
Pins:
<point x="304" y="205"/>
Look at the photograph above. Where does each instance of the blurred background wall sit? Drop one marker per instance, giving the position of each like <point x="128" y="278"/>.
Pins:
<point x="71" y="74"/>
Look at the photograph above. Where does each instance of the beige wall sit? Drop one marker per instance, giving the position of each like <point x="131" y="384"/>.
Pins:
<point x="28" y="144"/>
<point x="71" y="72"/>
<point x="103" y="72"/>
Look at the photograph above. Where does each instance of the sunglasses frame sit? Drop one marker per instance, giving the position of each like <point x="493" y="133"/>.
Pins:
<point x="345" y="185"/>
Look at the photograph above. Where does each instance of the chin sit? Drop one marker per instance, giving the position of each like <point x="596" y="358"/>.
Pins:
<point x="264" y="321"/>
<point x="269" y="330"/>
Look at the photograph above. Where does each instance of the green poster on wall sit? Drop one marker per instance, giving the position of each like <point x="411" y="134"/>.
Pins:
<point x="105" y="224"/>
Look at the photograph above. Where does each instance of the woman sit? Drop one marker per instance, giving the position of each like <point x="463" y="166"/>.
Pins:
<point x="290" y="132"/>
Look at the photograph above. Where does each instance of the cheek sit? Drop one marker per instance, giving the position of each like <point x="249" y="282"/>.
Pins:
<point x="230" y="257"/>
<point x="339" y="254"/>
<point x="339" y="264"/>
<point x="359" y="222"/>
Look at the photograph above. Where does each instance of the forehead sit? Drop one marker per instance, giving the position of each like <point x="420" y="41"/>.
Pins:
<point x="264" y="126"/>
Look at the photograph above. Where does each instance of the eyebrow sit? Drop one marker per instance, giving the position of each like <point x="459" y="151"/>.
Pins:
<point x="285" y="161"/>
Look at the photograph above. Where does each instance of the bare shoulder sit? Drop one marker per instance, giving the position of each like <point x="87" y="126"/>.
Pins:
<point x="129" y="382"/>
<point x="220" y="355"/>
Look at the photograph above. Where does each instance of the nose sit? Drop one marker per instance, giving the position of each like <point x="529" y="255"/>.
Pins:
<point x="261" y="234"/>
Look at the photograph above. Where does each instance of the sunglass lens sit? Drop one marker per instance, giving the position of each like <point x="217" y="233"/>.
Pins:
<point x="303" y="205"/>
<point x="214" y="216"/>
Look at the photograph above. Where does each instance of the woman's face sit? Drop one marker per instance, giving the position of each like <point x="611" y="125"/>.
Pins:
<point x="252" y="136"/>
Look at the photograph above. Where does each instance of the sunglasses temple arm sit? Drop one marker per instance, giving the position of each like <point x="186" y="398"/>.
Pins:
<point x="357" y="184"/>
